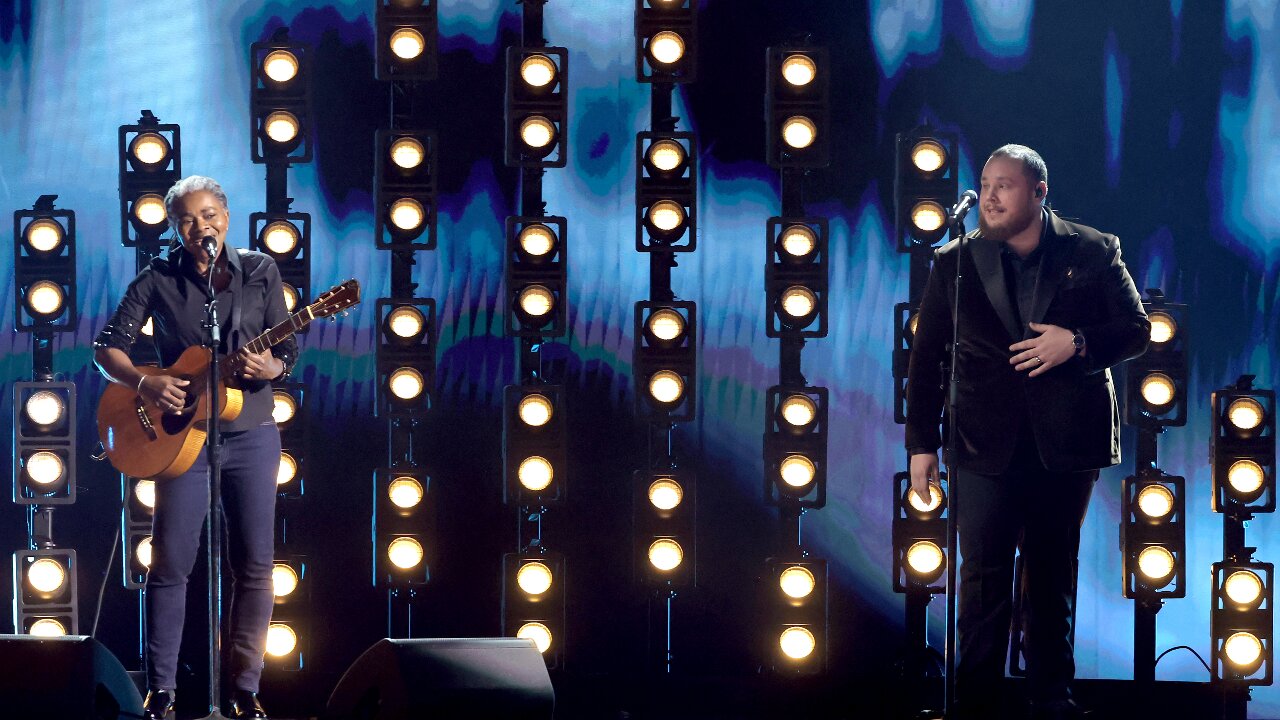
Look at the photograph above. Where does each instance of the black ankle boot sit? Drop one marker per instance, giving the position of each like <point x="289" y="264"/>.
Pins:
<point x="159" y="705"/>
<point x="244" y="704"/>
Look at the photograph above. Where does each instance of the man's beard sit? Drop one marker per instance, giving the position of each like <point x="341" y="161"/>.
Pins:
<point x="1006" y="230"/>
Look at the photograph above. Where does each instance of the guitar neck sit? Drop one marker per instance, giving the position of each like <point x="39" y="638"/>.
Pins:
<point x="296" y="322"/>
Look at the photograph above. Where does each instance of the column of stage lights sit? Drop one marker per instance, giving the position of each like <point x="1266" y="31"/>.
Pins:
<point x="1153" y="529"/>
<point x="665" y="330"/>
<point x="280" y="116"/>
<point x="404" y="190"/>
<point x="533" y="412"/>
<point x="1243" y="459"/>
<point x="797" y="117"/>
<point x="44" y="420"/>
<point x="924" y="186"/>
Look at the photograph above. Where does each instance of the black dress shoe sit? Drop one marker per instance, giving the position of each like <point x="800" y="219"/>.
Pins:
<point x="244" y="704"/>
<point x="159" y="705"/>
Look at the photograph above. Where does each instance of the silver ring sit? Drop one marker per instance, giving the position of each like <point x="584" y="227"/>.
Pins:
<point x="1039" y="361"/>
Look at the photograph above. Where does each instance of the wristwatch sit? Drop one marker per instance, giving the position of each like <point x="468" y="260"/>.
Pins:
<point x="1078" y="340"/>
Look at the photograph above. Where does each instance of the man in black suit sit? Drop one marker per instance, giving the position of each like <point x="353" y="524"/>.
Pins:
<point x="1046" y="308"/>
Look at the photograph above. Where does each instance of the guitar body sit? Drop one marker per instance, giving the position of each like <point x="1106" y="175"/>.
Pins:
<point x="142" y="441"/>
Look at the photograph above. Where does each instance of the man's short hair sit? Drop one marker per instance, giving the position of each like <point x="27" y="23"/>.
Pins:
<point x="1032" y="164"/>
<point x="186" y="186"/>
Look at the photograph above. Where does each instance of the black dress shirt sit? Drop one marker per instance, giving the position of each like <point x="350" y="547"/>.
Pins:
<point x="172" y="294"/>
<point x="1020" y="276"/>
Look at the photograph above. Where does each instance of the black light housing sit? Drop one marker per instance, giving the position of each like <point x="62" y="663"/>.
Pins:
<point x="289" y="412"/>
<point x="796" y="282"/>
<point x="407" y="40"/>
<point x="536" y="281"/>
<point x="920" y="550"/>
<point x="795" y="446"/>
<point x="664" y="518"/>
<point x="796" y="606"/>
<point x="44" y="457"/>
<point x="404" y="527"/>
<point x="797" y="108"/>
<point x="286" y="237"/>
<point x="1153" y="536"/>
<point x="406" y="364"/>
<point x="280" y="114"/>
<point x="666" y="192"/>
<point x="1156" y="383"/>
<point x="44" y="251"/>
<point x="1239" y="628"/>
<point x="665" y="359"/>
<point x="539" y="616"/>
<point x="1242" y="449"/>
<point x="138" y="497"/>
<point x="150" y="163"/>
<point x="534" y="439"/>
<point x="925" y="186"/>
<point x="666" y="41"/>
<point x="537" y="117"/>
<point x="45" y="588"/>
<point x="405" y="212"/>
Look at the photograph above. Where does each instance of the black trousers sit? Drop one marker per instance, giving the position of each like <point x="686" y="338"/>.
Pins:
<point x="1040" y="512"/>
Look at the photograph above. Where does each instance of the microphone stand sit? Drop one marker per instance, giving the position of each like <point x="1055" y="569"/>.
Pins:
<point x="213" y="530"/>
<point x="953" y="502"/>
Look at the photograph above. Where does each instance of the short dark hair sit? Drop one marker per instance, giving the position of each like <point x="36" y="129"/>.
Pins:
<point x="1032" y="164"/>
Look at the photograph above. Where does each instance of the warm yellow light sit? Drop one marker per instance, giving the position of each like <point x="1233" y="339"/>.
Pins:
<point x="913" y="322"/>
<point x="283" y="407"/>
<point x="666" y="324"/>
<point x="406" y="321"/>
<point x="666" y="215"/>
<point x="538" y="633"/>
<point x="1244" y="588"/>
<point x="407" y="43"/>
<point x="280" y="237"/>
<point x="799" y="70"/>
<point x="1246" y="477"/>
<point x="537" y="132"/>
<point x="928" y="156"/>
<point x="535" y="473"/>
<point x="142" y="553"/>
<point x="535" y="410"/>
<point x="666" y="155"/>
<point x="406" y="383"/>
<point x="536" y="301"/>
<point x="407" y="214"/>
<point x="1243" y="650"/>
<point x="290" y="297"/>
<point x="534" y="578"/>
<point x="405" y="553"/>
<point x="1163" y="327"/>
<point x="666" y="47"/>
<point x="149" y="209"/>
<point x="666" y="386"/>
<point x="288" y="469"/>
<point x="665" y="554"/>
<point x="282" y="126"/>
<point x="1155" y="501"/>
<point x="799" y="301"/>
<point x="280" y="65"/>
<point x="281" y="640"/>
<point x="405" y="492"/>
<point x="797" y="643"/>
<point x="47" y="627"/>
<point x="665" y="494"/>
<point x="284" y="580"/>
<point x="927" y="505"/>
<point x="538" y="71"/>
<point x="799" y="132"/>
<point x="799" y="240"/>
<point x="797" y="582"/>
<point x="145" y="492"/>
<point x="44" y="407"/>
<point x="537" y="240"/>
<point x="149" y="148"/>
<point x="1156" y="564"/>
<point x="1158" y="390"/>
<point x="44" y="235"/>
<point x="45" y="468"/>
<point x="928" y="216"/>
<point x="1245" y="413"/>
<point x="46" y="575"/>
<point x="45" y="298"/>
<point x="797" y="471"/>
<point x="925" y="558"/>
<point x="799" y="410"/>
<point x="407" y="153"/>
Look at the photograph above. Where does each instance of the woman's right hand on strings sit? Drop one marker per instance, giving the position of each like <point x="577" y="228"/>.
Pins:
<point x="164" y="391"/>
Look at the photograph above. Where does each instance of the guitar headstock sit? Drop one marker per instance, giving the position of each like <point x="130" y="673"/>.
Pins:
<point x="336" y="299"/>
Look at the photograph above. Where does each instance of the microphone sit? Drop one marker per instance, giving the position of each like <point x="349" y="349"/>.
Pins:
<point x="961" y="208"/>
<point x="210" y="245"/>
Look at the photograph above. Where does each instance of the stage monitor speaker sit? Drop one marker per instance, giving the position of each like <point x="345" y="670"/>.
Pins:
<point x="445" y="678"/>
<point x="70" y="678"/>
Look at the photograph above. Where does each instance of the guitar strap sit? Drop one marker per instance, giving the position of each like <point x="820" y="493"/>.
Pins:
<point x="237" y="300"/>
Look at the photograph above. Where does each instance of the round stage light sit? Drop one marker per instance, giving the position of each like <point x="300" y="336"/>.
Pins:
<point x="1155" y="566"/>
<point x="142" y="552"/>
<point x="666" y="217"/>
<point x="797" y="471"/>
<point x="145" y="492"/>
<point x="44" y="407"/>
<point x="666" y="387"/>
<point x="407" y="43"/>
<point x="535" y="410"/>
<point x="149" y="209"/>
<point x="405" y="492"/>
<point x="1244" y="589"/>
<point x="291" y="297"/>
<point x="665" y="494"/>
<point x="281" y="640"/>
<point x="406" y="214"/>
<point x="45" y="468"/>
<point x="536" y="301"/>
<point x="280" y="65"/>
<point x="538" y="71"/>
<point x="1246" y="478"/>
<point x="928" y="216"/>
<point x="281" y="237"/>
<point x="405" y="553"/>
<point x="1155" y="502"/>
<point x="406" y="322"/>
<point x="1243" y="650"/>
<point x="928" y="156"/>
<point x="47" y="627"/>
<point x="926" y="559"/>
<point x="665" y="325"/>
<point x="46" y="576"/>
<point x="799" y="410"/>
<point x="799" y="302"/>
<point x="665" y="157"/>
<point x="665" y="554"/>
<point x="666" y="48"/>
<point x="45" y="299"/>
<point x="1158" y="390"/>
<point x="407" y="153"/>
<point x="913" y="323"/>
<point x="283" y="407"/>
<point x="797" y="582"/>
<point x="798" y="242"/>
<point x="799" y="132"/>
<point x="799" y="70"/>
<point x="537" y="240"/>
<point x="406" y="383"/>
<point x="44" y="236"/>
<point x="538" y="633"/>
<point x="926" y="507"/>
<point x="797" y="643"/>
<point x="1245" y="413"/>
<point x="535" y="473"/>
<point x="149" y="150"/>
<point x="534" y="578"/>
<point x="284" y="580"/>
<point x="282" y="126"/>
<point x="288" y="469"/>
<point x="1163" y="327"/>
<point x="537" y="133"/>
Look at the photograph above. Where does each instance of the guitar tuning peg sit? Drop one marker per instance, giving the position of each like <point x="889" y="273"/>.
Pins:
<point x="346" y="313"/>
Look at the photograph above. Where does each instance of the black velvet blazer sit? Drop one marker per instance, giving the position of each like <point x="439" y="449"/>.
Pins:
<point x="1082" y="285"/>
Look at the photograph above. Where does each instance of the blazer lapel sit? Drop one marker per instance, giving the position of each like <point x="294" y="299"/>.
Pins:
<point x="986" y="257"/>
<point x="1054" y="265"/>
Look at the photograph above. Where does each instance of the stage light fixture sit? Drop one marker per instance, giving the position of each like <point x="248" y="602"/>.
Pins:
<point x="150" y="163"/>
<point x="286" y="237"/>
<point x="664" y="520"/>
<point x="536" y="242"/>
<point x="666" y="192"/>
<point x="404" y="527"/>
<point x="797" y="582"/>
<point x="536" y="107"/>
<point x="798" y="69"/>
<point x="534" y="578"/>
<point x="1241" y="622"/>
<point x="44" y="268"/>
<point x="796" y="277"/>
<point x="797" y="243"/>
<point x="406" y="356"/>
<point x="665" y="360"/>
<point x="536" y="270"/>
<point x="148" y="210"/>
<point x="665" y="554"/>
<point x="925" y="185"/>
<point x="796" y="606"/>
<point x="1153" y="536"/>
<point x="407" y="40"/>
<point x="44" y="443"/>
<point x="282" y="640"/>
<point x="139" y="501"/>
<point x="405" y="492"/>
<point x="148" y="150"/>
<point x="539" y="616"/>
<point x="292" y="297"/>
<point x="142" y="552"/>
<point x="405" y="189"/>
<point x="43" y="237"/>
<point x="924" y="508"/>
<point x="1242" y="450"/>
<point x="539" y="633"/>
<point x="1156" y="382"/>
<point x="284" y="580"/>
<point x="280" y="100"/>
<point x="797" y="107"/>
<point x="795" y="446"/>
<point x="666" y="50"/>
<point x="44" y="583"/>
<point x="288" y="412"/>
<point x="665" y="494"/>
<point x="920" y="552"/>
<point x="283" y="407"/>
<point x="287" y="471"/>
<point x="533" y="444"/>
<point x="47" y="627"/>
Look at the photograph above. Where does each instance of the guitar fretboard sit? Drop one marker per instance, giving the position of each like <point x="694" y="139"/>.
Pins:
<point x="271" y="337"/>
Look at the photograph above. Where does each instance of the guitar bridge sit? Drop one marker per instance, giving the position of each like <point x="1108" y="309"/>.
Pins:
<point x="143" y="420"/>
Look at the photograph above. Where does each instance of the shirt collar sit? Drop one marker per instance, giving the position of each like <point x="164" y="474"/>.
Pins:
<point x="184" y="259"/>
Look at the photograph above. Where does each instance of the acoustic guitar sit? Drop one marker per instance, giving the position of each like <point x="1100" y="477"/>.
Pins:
<point x="144" y="442"/>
